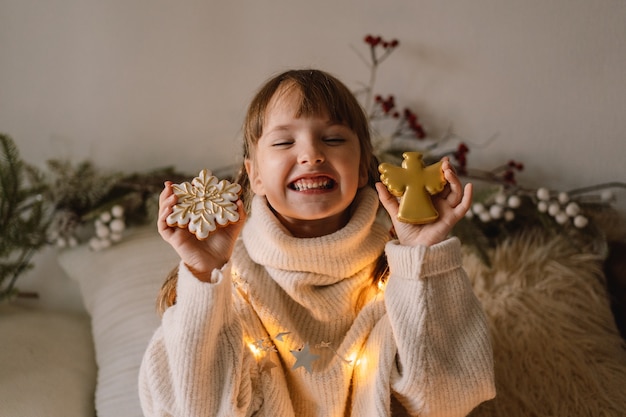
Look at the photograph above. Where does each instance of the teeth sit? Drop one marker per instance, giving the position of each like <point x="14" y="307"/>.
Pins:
<point x="315" y="184"/>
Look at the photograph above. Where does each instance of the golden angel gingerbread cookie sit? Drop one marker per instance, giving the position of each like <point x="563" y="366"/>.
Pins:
<point x="204" y="204"/>
<point x="414" y="183"/>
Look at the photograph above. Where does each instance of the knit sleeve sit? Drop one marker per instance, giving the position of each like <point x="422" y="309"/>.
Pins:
<point x="195" y="364"/>
<point x="444" y="362"/>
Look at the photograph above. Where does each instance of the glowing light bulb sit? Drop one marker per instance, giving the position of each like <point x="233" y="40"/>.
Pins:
<point x="361" y="360"/>
<point x="255" y="350"/>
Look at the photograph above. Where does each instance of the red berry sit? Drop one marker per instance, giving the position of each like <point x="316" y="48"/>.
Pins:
<point x="509" y="176"/>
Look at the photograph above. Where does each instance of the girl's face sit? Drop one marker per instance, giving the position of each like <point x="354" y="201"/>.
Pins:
<point x="307" y="167"/>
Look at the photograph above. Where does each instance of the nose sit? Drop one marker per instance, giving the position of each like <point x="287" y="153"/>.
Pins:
<point x="311" y="153"/>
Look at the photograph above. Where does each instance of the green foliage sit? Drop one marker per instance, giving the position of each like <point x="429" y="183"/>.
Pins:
<point x="78" y="187"/>
<point x="80" y="194"/>
<point x="24" y="215"/>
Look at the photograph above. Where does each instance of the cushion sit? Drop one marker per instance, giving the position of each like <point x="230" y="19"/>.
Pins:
<point x="557" y="349"/>
<point x="47" y="365"/>
<point x="119" y="286"/>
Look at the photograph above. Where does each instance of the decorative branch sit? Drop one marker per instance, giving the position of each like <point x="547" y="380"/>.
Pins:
<point x="502" y="206"/>
<point x="24" y="216"/>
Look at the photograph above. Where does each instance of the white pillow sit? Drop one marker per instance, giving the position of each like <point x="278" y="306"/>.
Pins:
<point x="119" y="286"/>
<point x="47" y="363"/>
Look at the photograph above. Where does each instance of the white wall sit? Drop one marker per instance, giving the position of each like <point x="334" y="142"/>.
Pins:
<point x="140" y="84"/>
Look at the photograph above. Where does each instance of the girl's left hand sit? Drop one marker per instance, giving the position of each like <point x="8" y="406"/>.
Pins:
<point x="452" y="204"/>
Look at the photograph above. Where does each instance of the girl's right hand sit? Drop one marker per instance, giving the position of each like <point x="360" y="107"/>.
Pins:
<point x="200" y="256"/>
<point x="452" y="204"/>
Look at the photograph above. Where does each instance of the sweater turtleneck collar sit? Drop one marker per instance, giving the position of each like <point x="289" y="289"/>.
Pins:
<point x="336" y="256"/>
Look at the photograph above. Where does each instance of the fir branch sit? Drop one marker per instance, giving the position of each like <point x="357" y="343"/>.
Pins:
<point x="9" y="179"/>
<point x="24" y="218"/>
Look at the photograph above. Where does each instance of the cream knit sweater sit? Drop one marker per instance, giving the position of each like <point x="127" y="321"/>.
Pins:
<point x="231" y="347"/>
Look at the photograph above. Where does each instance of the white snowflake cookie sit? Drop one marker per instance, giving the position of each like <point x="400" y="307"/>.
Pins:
<point x="204" y="204"/>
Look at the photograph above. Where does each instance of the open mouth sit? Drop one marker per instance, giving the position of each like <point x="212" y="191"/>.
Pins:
<point x="311" y="184"/>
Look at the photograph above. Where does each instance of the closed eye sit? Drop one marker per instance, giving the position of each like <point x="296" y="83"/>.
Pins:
<point x="282" y="143"/>
<point x="334" y="141"/>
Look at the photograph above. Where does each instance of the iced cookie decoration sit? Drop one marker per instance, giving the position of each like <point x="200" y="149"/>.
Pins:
<point x="204" y="204"/>
<point x="415" y="184"/>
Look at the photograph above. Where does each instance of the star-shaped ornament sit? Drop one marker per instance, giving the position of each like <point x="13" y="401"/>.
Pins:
<point x="266" y="364"/>
<point x="280" y="336"/>
<point x="264" y="345"/>
<point x="304" y="358"/>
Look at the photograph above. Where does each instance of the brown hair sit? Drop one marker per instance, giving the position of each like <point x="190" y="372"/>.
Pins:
<point x="321" y="94"/>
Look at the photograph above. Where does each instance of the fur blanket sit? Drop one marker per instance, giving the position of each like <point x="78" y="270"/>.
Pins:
<point x="557" y="349"/>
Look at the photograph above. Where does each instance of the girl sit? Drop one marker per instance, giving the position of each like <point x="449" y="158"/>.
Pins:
<point x="310" y="308"/>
